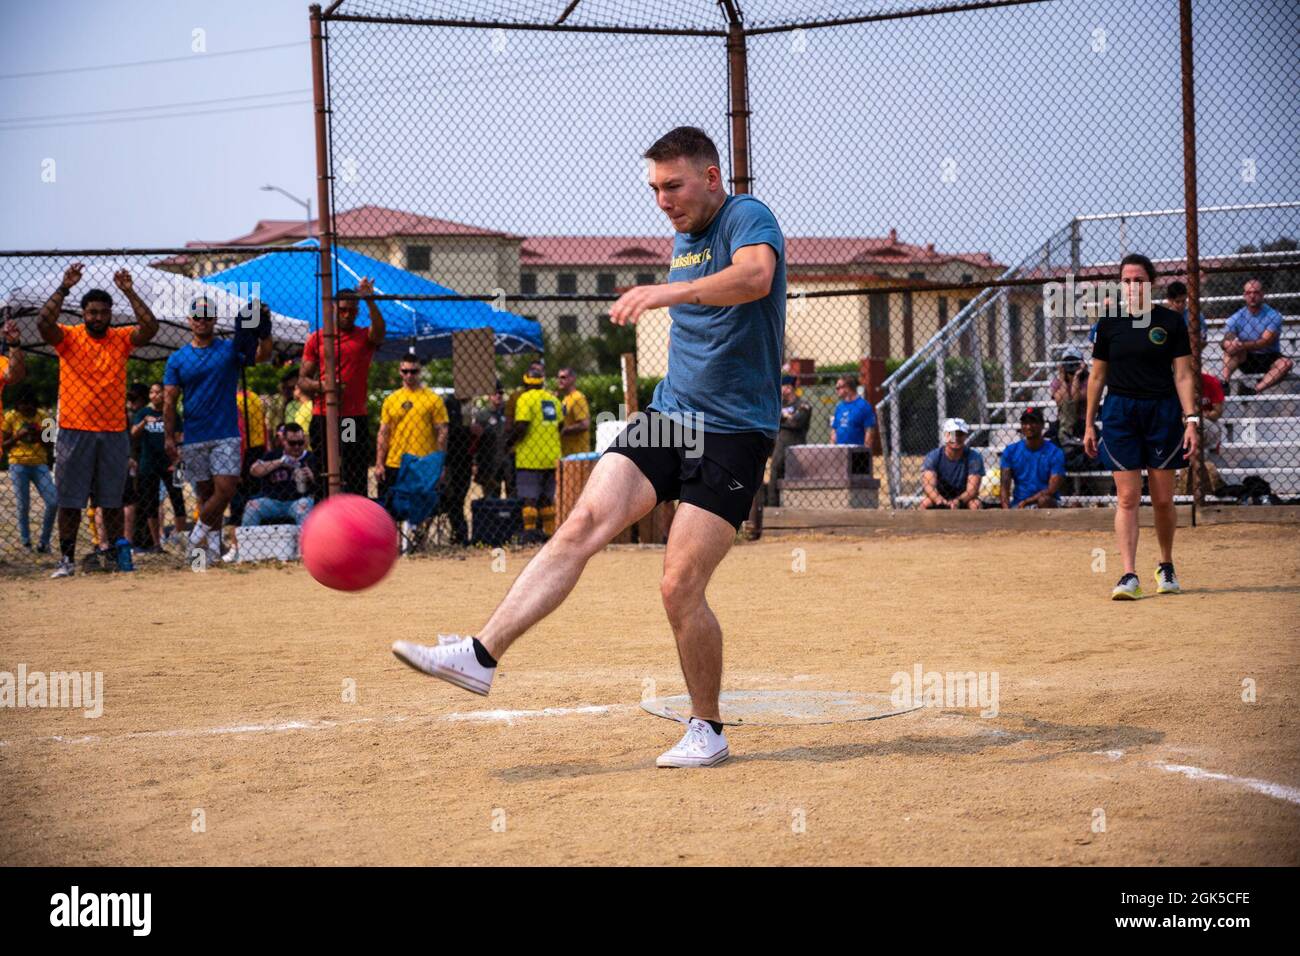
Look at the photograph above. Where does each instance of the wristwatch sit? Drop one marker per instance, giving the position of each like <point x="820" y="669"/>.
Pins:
<point x="1190" y="419"/>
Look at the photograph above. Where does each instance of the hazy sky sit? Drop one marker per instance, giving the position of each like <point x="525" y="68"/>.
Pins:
<point x="977" y="131"/>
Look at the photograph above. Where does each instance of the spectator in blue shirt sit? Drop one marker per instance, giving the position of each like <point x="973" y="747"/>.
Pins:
<point x="1033" y="465"/>
<point x="1253" y="340"/>
<point x="854" y="420"/>
<point x="207" y="371"/>
<point x="951" y="473"/>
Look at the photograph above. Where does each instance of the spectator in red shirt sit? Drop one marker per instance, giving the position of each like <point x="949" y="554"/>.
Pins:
<point x="1212" y="399"/>
<point x="354" y="351"/>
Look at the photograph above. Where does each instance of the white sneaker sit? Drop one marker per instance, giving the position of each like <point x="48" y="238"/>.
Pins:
<point x="701" y="747"/>
<point x="66" y="569"/>
<point x="453" y="661"/>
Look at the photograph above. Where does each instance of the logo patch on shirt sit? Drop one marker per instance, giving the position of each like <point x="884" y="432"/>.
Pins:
<point x="1157" y="335"/>
<point x="688" y="259"/>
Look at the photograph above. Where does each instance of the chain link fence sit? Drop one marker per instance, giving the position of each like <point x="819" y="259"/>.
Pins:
<point x="947" y="178"/>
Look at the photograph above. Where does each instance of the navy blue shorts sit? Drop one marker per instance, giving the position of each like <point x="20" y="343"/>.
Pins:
<point x="1141" y="433"/>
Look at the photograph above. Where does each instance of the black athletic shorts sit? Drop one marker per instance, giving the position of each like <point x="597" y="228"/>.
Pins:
<point x="720" y="472"/>
<point x="1257" y="363"/>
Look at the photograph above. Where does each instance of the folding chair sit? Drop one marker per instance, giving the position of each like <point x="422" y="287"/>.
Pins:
<point x="413" y="497"/>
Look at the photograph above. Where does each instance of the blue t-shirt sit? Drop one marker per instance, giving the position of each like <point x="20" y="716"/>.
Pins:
<point x="208" y="379"/>
<point x="1249" y="327"/>
<point x="850" y="421"/>
<point x="724" y="361"/>
<point x="951" y="475"/>
<point x="1032" y="470"/>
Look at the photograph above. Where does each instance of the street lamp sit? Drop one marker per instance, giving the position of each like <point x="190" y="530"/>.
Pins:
<point x="305" y="203"/>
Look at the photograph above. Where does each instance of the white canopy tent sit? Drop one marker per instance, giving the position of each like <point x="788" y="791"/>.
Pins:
<point x="167" y="294"/>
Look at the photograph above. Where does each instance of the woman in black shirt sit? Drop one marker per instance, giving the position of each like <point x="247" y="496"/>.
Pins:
<point x="1143" y="356"/>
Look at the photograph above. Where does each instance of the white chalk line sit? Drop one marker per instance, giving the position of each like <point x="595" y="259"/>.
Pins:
<point x="503" y="716"/>
<point x="1276" y="790"/>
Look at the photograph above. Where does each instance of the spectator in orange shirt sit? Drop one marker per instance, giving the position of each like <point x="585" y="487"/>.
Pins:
<point x="93" y="446"/>
<point x="354" y="350"/>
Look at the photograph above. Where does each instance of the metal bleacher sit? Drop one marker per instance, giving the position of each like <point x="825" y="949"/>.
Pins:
<point x="1260" y="432"/>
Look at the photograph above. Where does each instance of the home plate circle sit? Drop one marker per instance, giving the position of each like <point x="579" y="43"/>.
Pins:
<point x="759" y="708"/>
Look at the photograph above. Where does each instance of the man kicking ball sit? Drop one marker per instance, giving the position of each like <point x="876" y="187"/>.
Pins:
<point x="703" y="441"/>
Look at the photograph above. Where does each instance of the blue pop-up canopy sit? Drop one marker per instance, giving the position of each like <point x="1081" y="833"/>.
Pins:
<point x="288" y="283"/>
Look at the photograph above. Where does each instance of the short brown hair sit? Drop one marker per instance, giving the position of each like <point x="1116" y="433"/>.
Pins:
<point x="1137" y="259"/>
<point x="689" y="141"/>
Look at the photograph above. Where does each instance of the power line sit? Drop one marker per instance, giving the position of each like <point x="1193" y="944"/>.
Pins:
<point x="137" y="119"/>
<point x="191" y="58"/>
<point x="139" y="109"/>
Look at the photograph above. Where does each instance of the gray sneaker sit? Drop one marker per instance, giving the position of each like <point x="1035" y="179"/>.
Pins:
<point x="66" y="569"/>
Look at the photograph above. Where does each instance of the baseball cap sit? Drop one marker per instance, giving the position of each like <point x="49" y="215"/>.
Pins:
<point x="1071" y="354"/>
<point x="1032" y="415"/>
<point x="788" y="380"/>
<point x="956" y="425"/>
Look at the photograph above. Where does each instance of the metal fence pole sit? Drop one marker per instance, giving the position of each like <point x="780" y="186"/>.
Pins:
<point x="325" y="234"/>
<point x="1193" y="241"/>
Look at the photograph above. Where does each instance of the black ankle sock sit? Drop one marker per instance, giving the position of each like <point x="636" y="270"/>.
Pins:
<point x="484" y="658"/>
<point x="68" y="548"/>
<point x="1165" y="564"/>
<point x="715" y="724"/>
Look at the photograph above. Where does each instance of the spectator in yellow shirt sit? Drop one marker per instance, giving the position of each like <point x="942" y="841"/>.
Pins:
<point x="29" y="464"/>
<point x="413" y="421"/>
<point x="575" y="435"/>
<point x="536" y="434"/>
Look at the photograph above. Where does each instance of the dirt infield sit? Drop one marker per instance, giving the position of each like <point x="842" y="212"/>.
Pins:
<point x="226" y="737"/>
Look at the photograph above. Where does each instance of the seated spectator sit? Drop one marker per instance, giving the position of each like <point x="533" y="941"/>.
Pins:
<point x="287" y="476"/>
<point x="1176" y="299"/>
<point x="1253" y="340"/>
<point x="1069" y="389"/>
<point x="951" y="473"/>
<point x="1033" y="469"/>
<point x="854" y="420"/>
<point x="1212" y="402"/>
<point x="29" y="464"/>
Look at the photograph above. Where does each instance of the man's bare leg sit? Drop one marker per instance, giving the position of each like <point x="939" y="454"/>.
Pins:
<point x="697" y="543"/>
<point x="617" y="494"/>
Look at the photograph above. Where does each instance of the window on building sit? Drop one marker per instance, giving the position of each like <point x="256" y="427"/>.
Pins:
<point x="943" y="311"/>
<point x="645" y="278"/>
<point x="566" y="283"/>
<point x="605" y="282"/>
<point x="528" y="283"/>
<point x="568" y="325"/>
<point x="419" y="258"/>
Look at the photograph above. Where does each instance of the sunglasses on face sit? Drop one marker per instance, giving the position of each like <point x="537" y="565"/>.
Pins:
<point x="410" y="371"/>
<point x="295" y="444"/>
